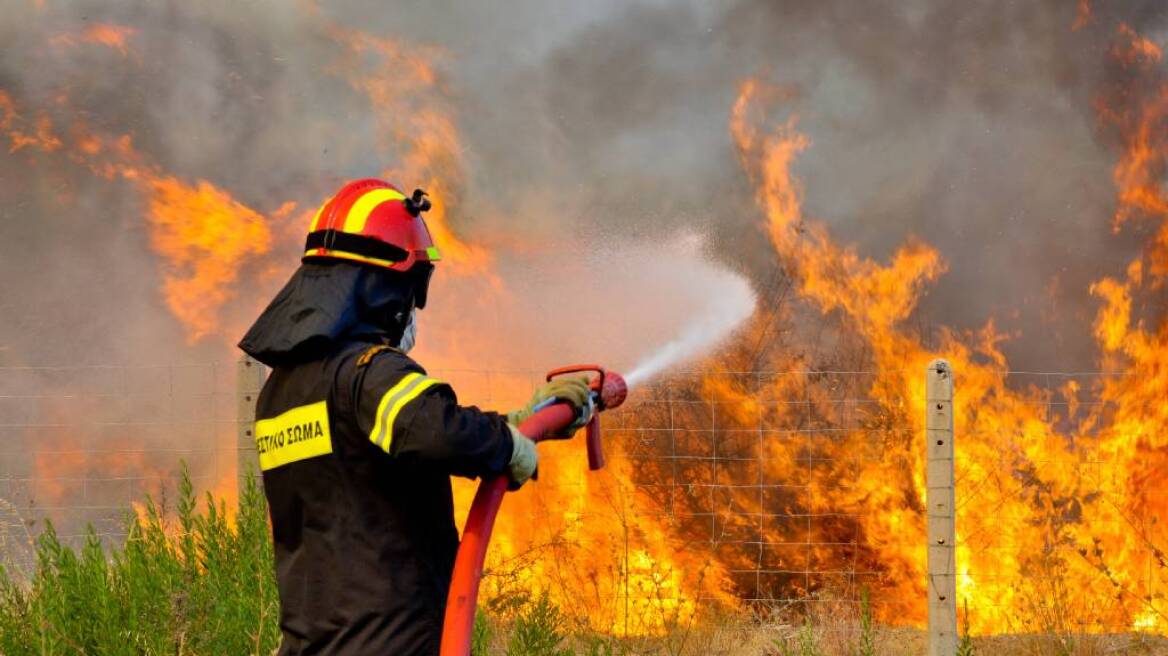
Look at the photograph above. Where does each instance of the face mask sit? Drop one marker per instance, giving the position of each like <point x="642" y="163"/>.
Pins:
<point x="410" y="336"/>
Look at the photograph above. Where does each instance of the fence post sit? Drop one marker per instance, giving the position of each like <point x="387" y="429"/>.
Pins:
<point x="939" y="500"/>
<point x="249" y="378"/>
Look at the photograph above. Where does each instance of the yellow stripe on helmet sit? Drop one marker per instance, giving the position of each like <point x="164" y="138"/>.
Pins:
<point x="345" y="255"/>
<point x="315" y="225"/>
<point x="360" y="211"/>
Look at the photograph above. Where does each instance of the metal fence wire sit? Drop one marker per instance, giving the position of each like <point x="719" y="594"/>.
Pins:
<point x="742" y="475"/>
<point x="801" y="488"/>
<point x="81" y="444"/>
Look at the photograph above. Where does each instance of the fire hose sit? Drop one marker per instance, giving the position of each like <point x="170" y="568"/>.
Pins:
<point x="608" y="391"/>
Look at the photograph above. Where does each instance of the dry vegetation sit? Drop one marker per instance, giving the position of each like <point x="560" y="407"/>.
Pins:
<point x="823" y="635"/>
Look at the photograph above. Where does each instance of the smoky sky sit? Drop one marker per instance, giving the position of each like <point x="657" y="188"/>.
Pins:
<point x="968" y="125"/>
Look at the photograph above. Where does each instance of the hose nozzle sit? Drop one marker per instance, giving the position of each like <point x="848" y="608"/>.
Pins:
<point x="611" y="388"/>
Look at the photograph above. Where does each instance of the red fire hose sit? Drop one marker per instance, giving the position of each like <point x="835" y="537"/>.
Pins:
<point x="608" y="391"/>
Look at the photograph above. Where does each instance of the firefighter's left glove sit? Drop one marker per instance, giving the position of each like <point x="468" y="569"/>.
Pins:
<point x="574" y="390"/>
<point x="524" y="458"/>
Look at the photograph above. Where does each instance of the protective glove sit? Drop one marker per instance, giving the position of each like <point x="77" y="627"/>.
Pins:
<point x="574" y="390"/>
<point x="524" y="459"/>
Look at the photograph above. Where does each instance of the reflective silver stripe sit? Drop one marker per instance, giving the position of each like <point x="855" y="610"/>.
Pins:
<point x="386" y="414"/>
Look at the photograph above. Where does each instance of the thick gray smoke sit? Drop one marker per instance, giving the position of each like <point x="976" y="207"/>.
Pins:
<point x="970" y="125"/>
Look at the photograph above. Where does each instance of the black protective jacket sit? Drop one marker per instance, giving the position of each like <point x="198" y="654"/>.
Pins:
<point x="357" y="447"/>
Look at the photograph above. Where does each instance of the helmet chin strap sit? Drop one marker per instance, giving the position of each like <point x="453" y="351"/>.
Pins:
<point x="410" y="334"/>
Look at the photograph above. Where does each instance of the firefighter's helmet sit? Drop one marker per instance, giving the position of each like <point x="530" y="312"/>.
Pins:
<point x="372" y="222"/>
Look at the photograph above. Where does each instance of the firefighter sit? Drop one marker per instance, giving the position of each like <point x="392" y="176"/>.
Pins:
<point x="357" y="443"/>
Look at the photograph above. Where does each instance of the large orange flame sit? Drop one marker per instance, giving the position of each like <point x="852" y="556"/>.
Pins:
<point x="1057" y="527"/>
<point x="1059" y="513"/>
<point x="585" y="539"/>
<point x="205" y="236"/>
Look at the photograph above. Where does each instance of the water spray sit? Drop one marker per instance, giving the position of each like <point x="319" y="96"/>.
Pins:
<point x="719" y="318"/>
<point x="725" y="301"/>
<point x="609" y="390"/>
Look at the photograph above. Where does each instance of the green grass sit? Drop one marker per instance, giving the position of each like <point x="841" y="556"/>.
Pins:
<point x="195" y="584"/>
<point x="189" y="581"/>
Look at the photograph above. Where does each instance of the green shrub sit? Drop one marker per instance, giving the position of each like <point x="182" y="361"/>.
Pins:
<point x="804" y="641"/>
<point x="867" y="646"/>
<point x="965" y="647"/>
<point x="480" y="639"/>
<point x="538" y="631"/>
<point x="197" y="586"/>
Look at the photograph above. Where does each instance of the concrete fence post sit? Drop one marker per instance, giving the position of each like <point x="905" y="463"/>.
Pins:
<point x="939" y="499"/>
<point x="249" y="378"/>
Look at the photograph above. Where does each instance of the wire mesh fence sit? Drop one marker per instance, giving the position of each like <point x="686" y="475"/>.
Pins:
<point x="762" y="471"/>
<point x="785" y="492"/>
<point x="81" y="444"/>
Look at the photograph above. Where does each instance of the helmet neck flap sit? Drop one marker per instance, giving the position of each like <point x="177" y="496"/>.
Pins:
<point x="328" y="304"/>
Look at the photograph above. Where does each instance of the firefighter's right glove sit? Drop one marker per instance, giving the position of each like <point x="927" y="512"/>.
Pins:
<point x="574" y="390"/>
<point x="524" y="459"/>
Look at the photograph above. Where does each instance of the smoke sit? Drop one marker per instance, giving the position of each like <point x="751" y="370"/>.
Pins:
<point x="583" y="157"/>
<point x="576" y="144"/>
<point x="970" y="126"/>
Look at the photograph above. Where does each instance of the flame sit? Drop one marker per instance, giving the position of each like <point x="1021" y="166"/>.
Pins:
<point x="90" y="458"/>
<point x="1049" y="516"/>
<point x="415" y="120"/>
<point x="1057" y="527"/>
<point x="1139" y="173"/>
<point x="590" y="541"/>
<point x="21" y="134"/>
<point x="108" y="35"/>
<point x="204" y="234"/>
<point x="1083" y="15"/>
<point x="1131" y="48"/>
<point x="204" y="239"/>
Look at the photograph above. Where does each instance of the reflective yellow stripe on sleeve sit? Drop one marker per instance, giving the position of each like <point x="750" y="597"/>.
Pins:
<point x="392" y="402"/>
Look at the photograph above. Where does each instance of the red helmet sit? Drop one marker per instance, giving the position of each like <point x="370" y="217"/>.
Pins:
<point x="372" y="222"/>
